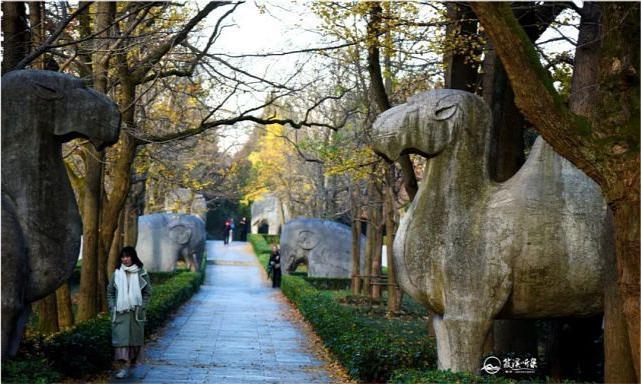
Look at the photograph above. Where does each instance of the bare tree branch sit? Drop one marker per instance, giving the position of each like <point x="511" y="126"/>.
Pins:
<point x="47" y="44"/>
<point x="154" y="57"/>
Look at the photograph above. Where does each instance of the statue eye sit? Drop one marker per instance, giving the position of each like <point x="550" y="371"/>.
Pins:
<point x="446" y="107"/>
<point x="445" y="112"/>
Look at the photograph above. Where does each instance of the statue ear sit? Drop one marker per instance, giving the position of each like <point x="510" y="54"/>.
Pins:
<point x="307" y="240"/>
<point x="180" y="233"/>
<point x="45" y="92"/>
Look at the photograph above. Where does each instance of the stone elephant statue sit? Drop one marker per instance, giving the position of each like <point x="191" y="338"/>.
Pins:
<point x="473" y="250"/>
<point x="163" y="238"/>
<point x="325" y="246"/>
<point x="41" y="226"/>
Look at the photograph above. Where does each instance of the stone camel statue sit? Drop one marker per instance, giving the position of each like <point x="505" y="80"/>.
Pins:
<point x="41" y="226"/>
<point x="472" y="250"/>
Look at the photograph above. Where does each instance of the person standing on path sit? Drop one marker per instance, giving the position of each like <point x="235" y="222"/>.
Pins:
<point x="232" y="227"/>
<point x="227" y="231"/>
<point x="274" y="266"/>
<point x="243" y="229"/>
<point x="128" y="296"/>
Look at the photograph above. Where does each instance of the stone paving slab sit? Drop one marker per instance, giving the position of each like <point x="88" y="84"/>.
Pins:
<point x="234" y="330"/>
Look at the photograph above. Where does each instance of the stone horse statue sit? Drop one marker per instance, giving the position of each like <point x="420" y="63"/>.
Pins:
<point x="472" y="250"/>
<point x="41" y="226"/>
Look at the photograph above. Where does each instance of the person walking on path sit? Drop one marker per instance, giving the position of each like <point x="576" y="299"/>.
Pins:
<point x="227" y="231"/>
<point x="232" y="227"/>
<point x="128" y="296"/>
<point x="274" y="266"/>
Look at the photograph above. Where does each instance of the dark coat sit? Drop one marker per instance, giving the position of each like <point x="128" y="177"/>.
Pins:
<point x="128" y="329"/>
<point x="274" y="261"/>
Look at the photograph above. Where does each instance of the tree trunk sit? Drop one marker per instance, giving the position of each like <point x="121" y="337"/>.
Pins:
<point x="377" y="89"/>
<point x="116" y="245"/>
<point x="370" y="234"/>
<point x="619" y="368"/>
<point x="508" y="124"/>
<point x="47" y="311"/>
<point x="15" y="44"/>
<point x="93" y="276"/>
<point x="461" y="71"/>
<point x="105" y="15"/>
<point x="356" y="242"/>
<point x="369" y="246"/>
<point x="377" y="254"/>
<point x="36" y="18"/>
<point x="120" y="172"/>
<point x="65" y="311"/>
<point x="130" y="230"/>
<point x="88" y="298"/>
<point x="626" y="227"/>
<point x="507" y="144"/>
<point x="393" y="296"/>
<point x="356" y="250"/>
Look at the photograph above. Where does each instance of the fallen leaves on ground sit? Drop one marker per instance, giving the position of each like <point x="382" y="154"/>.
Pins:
<point x="336" y="371"/>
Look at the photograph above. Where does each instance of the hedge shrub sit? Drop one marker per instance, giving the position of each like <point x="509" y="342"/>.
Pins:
<point x="259" y="244"/>
<point x="413" y="376"/>
<point x="369" y="350"/>
<point x="329" y="283"/>
<point x="86" y="348"/>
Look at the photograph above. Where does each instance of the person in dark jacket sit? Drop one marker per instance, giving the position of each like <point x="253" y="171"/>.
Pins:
<point x="243" y="229"/>
<point x="227" y="231"/>
<point x="128" y="296"/>
<point x="274" y="266"/>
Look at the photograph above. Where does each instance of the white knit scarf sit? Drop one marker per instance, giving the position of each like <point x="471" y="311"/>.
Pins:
<point x="127" y="288"/>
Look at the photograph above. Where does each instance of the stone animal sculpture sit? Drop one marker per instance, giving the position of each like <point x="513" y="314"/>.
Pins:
<point x="164" y="238"/>
<point x="325" y="246"/>
<point x="268" y="210"/>
<point x="41" y="226"/>
<point x="472" y="250"/>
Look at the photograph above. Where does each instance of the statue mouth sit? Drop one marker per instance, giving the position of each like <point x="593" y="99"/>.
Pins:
<point x="102" y="142"/>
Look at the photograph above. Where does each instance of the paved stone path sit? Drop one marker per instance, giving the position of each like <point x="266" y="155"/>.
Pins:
<point x="232" y="331"/>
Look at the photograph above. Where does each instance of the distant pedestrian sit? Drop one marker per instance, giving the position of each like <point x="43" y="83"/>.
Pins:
<point x="128" y="295"/>
<point x="232" y="227"/>
<point x="227" y="231"/>
<point x="243" y="229"/>
<point x="274" y="266"/>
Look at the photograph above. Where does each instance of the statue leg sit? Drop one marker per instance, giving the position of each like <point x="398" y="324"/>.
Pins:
<point x="14" y="321"/>
<point x="459" y="341"/>
<point x="14" y="280"/>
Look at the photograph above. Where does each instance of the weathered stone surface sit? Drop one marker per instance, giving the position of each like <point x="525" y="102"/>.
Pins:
<point x="325" y="246"/>
<point x="199" y="206"/>
<point x="472" y="250"/>
<point x="268" y="210"/>
<point x="41" y="226"/>
<point x="163" y="238"/>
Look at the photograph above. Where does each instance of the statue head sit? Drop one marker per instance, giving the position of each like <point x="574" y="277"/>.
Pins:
<point x="429" y="122"/>
<point x="58" y="104"/>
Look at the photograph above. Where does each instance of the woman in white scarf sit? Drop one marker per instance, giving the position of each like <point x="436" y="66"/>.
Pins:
<point x="128" y="295"/>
